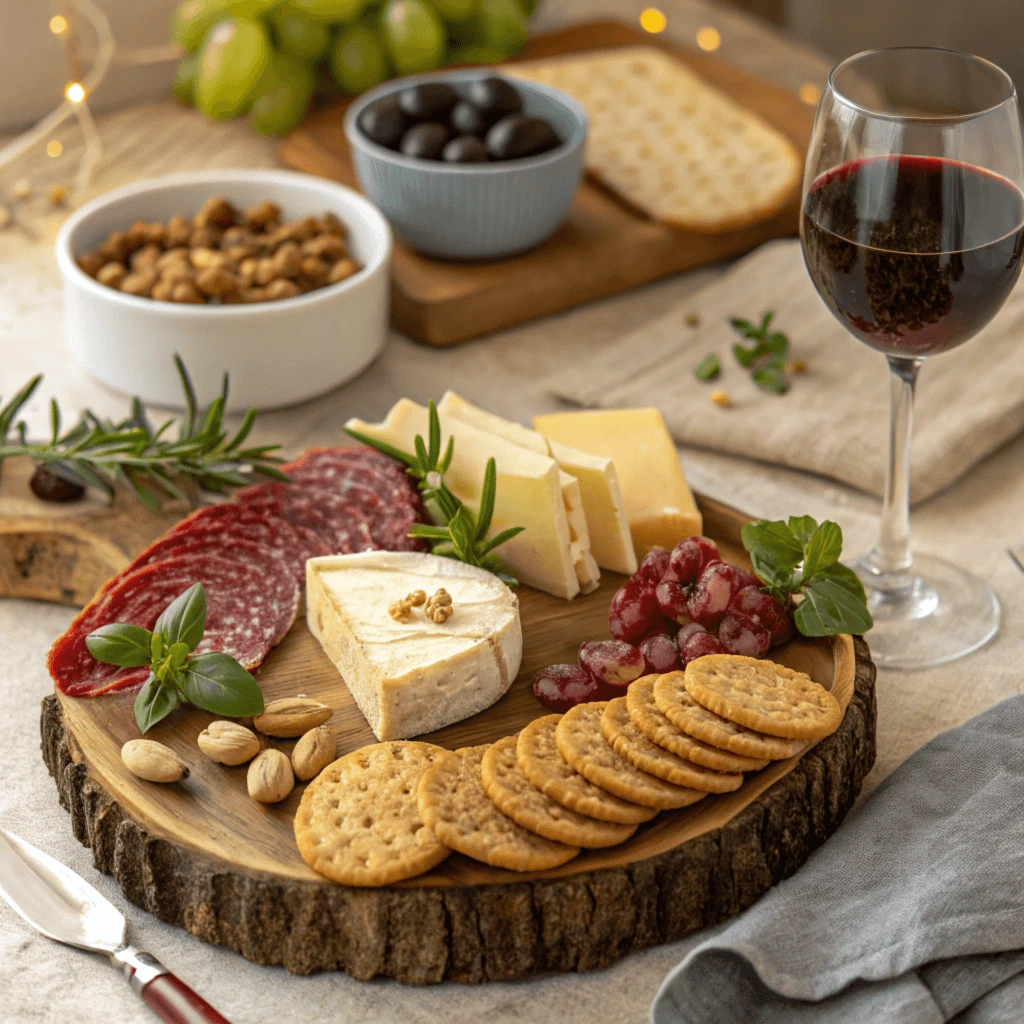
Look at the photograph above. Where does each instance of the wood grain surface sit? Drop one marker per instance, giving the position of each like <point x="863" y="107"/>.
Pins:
<point x="603" y="248"/>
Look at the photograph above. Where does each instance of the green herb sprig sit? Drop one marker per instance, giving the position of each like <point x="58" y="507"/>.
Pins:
<point x="799" y="556"/>
<point x="213" y="681"/>
<point x="457" y="532"/>
<point x="101" y="454"/>
<point x="766" y="358"/>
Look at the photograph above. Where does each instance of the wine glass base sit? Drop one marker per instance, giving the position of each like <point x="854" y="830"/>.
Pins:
<point x="932" y="615"/>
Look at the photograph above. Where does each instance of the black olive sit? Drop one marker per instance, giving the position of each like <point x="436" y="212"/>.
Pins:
<point x="517" y="136"/>
<point x="383" y="122"/>
<point x="467" y="120"/>
<point x="494" y="98"/>
<point x="47" y="485"/>
<point x="466" y="149"/>
<point x="425" y="140"/>
<point x="432" y="101"/>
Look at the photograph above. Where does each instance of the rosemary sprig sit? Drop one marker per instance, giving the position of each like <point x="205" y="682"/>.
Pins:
<point x="101" y="454"/>
<point x="457" y="533"/>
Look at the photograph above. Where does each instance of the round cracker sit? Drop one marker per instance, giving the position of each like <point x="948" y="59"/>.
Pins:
<point x="654" y="724"/>
<point x="764" y="696"/>
<point x="454" y="803"/>
<point x="358" y="822"/>
<point x="583" y="746"/>
<point x="526" y="805"/>
<point x="546" y="769"/>
<point x="629" y="742"/>
<point x="695" y="720"/>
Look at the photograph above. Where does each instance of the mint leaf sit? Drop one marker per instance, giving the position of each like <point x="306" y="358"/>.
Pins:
<point x="766" y="319"/>
<point x="823" y="549"/>
<point x="744" y="356"/>
<point x="772" y="542"/>
<point x="777" y="343"/>
<point x="832" y="605"/>
<point x="156" y="700"/>
<point x="771" y="380"/>
<point x="120" y="644"/>
<point x="741" y="325"/>
<point x="708" y="368"/>
<point x="216" y="682"/>
<point x="802" y="527"/>
<point x="184" y="619"/>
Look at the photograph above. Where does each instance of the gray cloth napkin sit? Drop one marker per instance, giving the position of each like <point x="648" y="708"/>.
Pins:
<point x="913" y="913"/>
<point x="834" y="420"/>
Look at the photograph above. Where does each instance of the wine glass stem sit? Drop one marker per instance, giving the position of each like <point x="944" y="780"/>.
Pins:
<point x="890" y="559"/>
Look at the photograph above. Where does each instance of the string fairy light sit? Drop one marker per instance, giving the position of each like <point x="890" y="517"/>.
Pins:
<point x="652" y="20"/>
<point x="709" y="38"/>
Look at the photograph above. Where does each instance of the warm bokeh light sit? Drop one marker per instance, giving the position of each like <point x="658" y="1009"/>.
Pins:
<point x="75" y="92"/>
<point x="709" y="38"/>
<point x="58" y="24"/>
<point x="54" y="148"/>
<point x="652" y="20"/>
<point x="810" y="93"/>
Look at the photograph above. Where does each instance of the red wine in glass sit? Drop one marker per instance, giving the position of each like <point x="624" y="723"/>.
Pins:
<point x="914" y="254"/>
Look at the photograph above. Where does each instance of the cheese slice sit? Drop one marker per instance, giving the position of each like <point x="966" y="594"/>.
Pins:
<point x="587" y="572"/>
<point x="658" y="501"/>
<point x="414" y="676"/>
<point x="611" y="545"/>
<point x="529" y="493"/>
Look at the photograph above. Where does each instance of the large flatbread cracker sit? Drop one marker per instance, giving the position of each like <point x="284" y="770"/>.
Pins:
<point x="671" y="145"/>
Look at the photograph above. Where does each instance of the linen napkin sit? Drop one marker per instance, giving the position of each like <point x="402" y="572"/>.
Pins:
<point x="912" y="913"/>
<point x="834" y="419"/>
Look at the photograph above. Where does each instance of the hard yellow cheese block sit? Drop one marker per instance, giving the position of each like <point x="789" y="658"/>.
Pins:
<point x="658" y="501"/>
<point x="611" y="545"/>
<point x="529" y="493"/>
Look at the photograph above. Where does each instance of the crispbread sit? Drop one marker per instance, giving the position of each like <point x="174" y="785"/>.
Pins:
<point x="527" y="806"/>
<point x="657" y="727"/>
<point x="670" y="144"/>
<point x="629" y="742"/>
<point x="545" y="768"/>
<point x="454" y="804"/>
<point x="764" y="696"/>
<point x="695" y="720"/>
<point x="581" y="743"/>
<point x="358" y="822"/>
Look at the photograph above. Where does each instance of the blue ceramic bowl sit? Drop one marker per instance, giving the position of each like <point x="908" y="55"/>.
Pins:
<point x="474" y="211"/>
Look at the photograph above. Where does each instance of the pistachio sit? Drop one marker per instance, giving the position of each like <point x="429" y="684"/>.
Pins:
<point x="292" y="716"/>
<point x="228" y="743"/>
<point x="270" y="777"/>
<point x="315" y="750"/>
<point x="153" y="761"/>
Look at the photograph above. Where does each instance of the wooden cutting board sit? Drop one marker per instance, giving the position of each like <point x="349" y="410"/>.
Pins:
<point x="603" y="248"/>
<point x="202" y="855"/>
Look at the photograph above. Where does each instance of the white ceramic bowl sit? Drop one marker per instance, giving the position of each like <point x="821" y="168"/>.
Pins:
<point x="277" y="353"/>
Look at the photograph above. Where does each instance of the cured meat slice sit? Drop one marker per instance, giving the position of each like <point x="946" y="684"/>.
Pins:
<point x="250" y="605"/>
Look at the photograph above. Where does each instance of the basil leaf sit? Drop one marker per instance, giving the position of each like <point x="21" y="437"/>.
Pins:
<point x="741" y="325"/>
<point x="823" y="549"/>
<point x="216" y="682"/>
<point x="155" y="702"/>
<point x="832" y="605"/>
<point x="773" y="543"/>
<point x="778" y="578"/>
<point x="744" y="356"/>
<point x="777" y="343"/>
<point x="120" y="644"/>
<point x="802" y="527"/>
<point x="184" y="619"/>
<point x="708" y="368"/>
<point x="766" y="319"/>
<point x="771" y="380"/>
<point x="848" y="578"/>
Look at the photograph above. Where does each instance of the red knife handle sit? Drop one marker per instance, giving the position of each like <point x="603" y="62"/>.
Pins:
<point x="175" y="1003"/>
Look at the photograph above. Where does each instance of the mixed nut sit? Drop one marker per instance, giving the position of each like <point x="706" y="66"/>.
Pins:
<point x="224" y="255"/>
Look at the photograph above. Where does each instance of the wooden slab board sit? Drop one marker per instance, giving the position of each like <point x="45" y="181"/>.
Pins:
<point x="603" y="248"/>
<point x="203" y="855"/>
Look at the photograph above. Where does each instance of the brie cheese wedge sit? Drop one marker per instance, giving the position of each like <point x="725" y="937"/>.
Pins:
<point x="414" y="676"/>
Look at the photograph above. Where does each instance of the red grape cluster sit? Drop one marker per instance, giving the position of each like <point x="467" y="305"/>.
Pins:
<point x="678" y="606"/>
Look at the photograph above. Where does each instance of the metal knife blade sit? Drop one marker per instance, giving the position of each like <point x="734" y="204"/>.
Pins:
<point x="56" y="901"/>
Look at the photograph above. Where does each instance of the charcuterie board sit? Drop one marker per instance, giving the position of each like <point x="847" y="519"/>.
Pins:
<point x="202" y="855"/>
<point x="603" y="248"/>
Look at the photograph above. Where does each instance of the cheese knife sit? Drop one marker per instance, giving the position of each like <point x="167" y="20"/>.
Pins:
<point x="63" y="906"/>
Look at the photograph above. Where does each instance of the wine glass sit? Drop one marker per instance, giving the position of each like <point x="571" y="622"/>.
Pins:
<point x="912" y="228"/>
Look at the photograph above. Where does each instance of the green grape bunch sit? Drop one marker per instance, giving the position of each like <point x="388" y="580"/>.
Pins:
<point x="269" y="59"/>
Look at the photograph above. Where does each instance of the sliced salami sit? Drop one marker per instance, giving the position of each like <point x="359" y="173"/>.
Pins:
<point x="250" y="605"/>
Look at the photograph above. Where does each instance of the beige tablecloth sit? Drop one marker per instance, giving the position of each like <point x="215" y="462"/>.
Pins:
<point x="973" y="522"/>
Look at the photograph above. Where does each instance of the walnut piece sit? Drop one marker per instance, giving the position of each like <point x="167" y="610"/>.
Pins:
<point x="438" y="607"/>
<point x="401" y="610"/>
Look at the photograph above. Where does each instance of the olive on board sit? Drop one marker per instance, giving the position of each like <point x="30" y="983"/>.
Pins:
<point x="466" y="149"/>
<point x="518" y="136"/>
<point x="383" y="122"/>
<point x="467" y="120"/>
<point x="494" y="98"/>
<point x="431" y="101"/>
<point x="49" y="486"/>
<point x="425" y="140"/>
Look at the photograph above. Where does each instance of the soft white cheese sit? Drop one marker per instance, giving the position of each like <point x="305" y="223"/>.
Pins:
<point x="415" y="676"/>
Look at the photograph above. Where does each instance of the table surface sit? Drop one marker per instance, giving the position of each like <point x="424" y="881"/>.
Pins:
<point x="973" y="523"/>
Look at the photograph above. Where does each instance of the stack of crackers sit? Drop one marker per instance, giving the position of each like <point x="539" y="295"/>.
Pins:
<point x="585" y="779"/>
